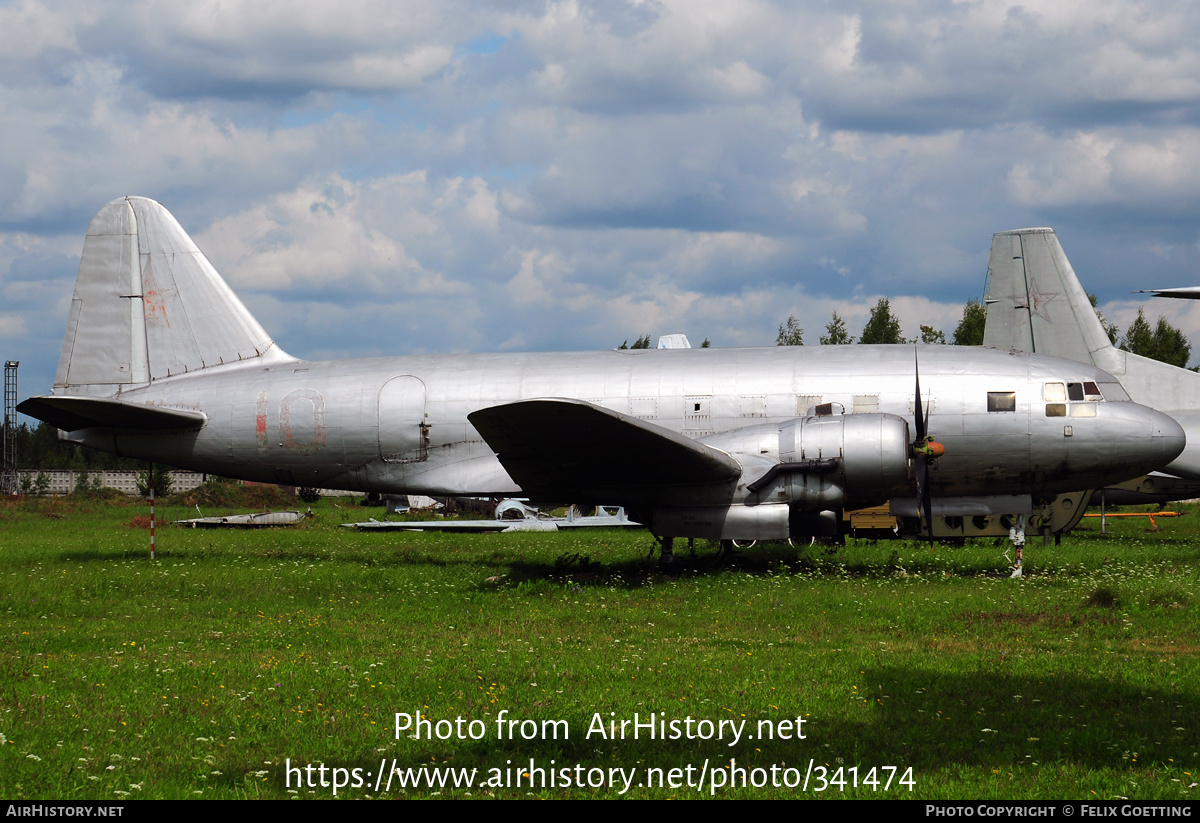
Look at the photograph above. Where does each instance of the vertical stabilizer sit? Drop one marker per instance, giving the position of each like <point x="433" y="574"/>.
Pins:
<point x="149" y="305"/>
<point x="1035" y="303"/>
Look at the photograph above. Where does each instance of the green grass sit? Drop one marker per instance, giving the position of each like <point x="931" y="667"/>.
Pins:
<point x="204" y="672"/>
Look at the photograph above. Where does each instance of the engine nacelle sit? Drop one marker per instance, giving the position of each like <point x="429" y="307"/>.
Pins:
<point x="797" y="476"/>
<point x="869" y="453"/>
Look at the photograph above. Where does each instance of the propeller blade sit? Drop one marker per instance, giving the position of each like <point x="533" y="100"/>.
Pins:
<point x="921" y="418"/>
<point x="921" y="452"/>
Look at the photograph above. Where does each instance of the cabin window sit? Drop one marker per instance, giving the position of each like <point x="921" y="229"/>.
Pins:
<point x="752" y="405"/>
<point x="804" y="402"/>
<point x="1002" y="401"/>
<point x="866" y="403"/>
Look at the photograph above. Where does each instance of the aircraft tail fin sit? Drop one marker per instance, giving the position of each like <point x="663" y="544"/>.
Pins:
<point x="149" y="305"/>
<point x="1035" y="303"/>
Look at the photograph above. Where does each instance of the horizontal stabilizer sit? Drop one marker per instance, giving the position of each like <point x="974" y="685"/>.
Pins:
<point x="72" y="413"/>
<point x="572" y="450"/>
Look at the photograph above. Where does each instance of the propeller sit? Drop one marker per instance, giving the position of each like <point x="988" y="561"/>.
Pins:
<point x="925" y="450"/>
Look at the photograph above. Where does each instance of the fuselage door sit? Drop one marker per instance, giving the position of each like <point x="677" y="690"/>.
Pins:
<point x="403" y="428"/>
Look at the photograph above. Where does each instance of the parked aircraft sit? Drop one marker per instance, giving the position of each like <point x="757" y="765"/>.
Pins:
<point x="161" y="361"/>
<point x="1186" y="292"/>
<point x="1036" y="304"/>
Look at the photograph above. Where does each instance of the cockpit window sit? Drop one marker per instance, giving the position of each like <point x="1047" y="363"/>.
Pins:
<point x="1113" y="392"/>
<point x="1002" y="401"/>
<point x="1084" y="391"/>
<point x="1084" y="394"/>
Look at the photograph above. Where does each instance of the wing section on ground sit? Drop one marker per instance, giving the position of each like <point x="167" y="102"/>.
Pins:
<point x="73" y="413"/>
<point x="571" y="450"/>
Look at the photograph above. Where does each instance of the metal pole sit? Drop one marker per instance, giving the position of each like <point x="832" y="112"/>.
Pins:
<point x="151" y="511"/>
<point x="9" y="483"/>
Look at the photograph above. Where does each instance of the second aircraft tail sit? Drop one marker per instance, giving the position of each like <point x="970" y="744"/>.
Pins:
<point x="1035" y="303"/>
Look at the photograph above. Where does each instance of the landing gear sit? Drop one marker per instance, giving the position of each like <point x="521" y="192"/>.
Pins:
<point x="666" y="550"/>
<point x="1016" y="534"/>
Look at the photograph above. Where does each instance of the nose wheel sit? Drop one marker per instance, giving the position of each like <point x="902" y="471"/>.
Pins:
<point x="1016" y="534"/>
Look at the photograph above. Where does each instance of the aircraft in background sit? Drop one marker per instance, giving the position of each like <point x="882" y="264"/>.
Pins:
<point x="1186" y="293"/>
<point x="1036" y="304"/>
<point x="162" y="362"/>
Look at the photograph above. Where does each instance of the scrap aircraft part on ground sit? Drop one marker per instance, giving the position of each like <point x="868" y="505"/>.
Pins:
<point x="161" y="361"/>
<point x="1035" y="303"/>
<point x="527" y="519"/>
<point x="244" y="521"/>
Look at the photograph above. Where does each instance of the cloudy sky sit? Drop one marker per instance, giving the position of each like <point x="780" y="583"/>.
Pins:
<point x="392" y="177"/>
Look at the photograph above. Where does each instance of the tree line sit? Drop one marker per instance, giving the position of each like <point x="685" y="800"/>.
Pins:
<point x="1161" y="342"/>
<point x="884" y="327"/>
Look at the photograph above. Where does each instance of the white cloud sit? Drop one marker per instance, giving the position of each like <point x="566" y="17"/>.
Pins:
<point x="334" y="238"/>
<point x="565" y="174"/>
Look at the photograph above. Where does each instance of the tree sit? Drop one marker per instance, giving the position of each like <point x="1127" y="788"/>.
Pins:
<point x="790" y="333"/>
<point x="836" y="333"/>
<point x="969" y="331"/>
<point x="882" y="326"/>
<point x="162" y="481"/>
<point x="932" y="336"/>
<point x="642" y="342"/>
<point x="707" y="344"/>
<point x="1109" y="328"/>
<point x="1165" y="343"/>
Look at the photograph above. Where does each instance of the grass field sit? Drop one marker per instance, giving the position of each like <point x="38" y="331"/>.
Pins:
<point x="235" y="655"/>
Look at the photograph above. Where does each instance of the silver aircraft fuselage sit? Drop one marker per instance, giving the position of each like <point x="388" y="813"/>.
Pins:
<point x="400" y="424"/>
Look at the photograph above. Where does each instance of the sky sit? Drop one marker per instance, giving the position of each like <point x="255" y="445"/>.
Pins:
<point x="406" y="177"/>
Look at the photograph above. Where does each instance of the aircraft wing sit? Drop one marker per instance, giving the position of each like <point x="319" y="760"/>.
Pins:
<point x="573" y="450"/>
<point x="1187" y="292"/>
<point x="73" y="413"/>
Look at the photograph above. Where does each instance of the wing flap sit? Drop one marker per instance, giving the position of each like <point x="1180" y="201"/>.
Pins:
<point x="571" y="450"/>
<point x="73" y="413"/>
